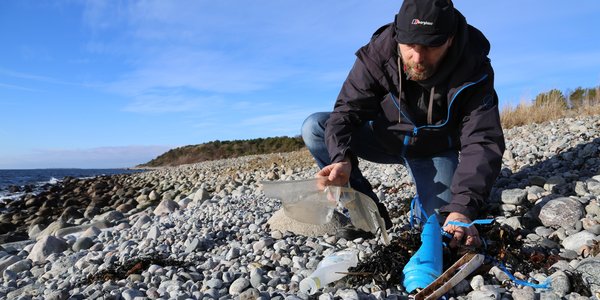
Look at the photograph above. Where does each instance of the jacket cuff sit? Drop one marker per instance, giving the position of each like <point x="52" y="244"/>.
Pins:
<point x="341" y="156"/>
<point x="469" y="211"/>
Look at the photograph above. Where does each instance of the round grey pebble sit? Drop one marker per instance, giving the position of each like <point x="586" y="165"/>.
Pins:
<point x="238" y="286"/>
<point x="560" y="283"/>
<point x="130" y="294"/>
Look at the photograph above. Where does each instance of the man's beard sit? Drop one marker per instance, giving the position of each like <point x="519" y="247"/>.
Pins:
<point x="418" y="72"/>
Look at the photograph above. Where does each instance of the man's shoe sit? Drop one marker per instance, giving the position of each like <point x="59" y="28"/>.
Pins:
<point x="351" y="233"/>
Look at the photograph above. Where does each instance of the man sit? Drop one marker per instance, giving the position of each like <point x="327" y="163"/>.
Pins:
<point x="421" y="93"/>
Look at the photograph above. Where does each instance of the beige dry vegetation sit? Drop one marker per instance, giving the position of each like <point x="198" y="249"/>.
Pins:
<point x="549" y="106"/>
<point x="524" y="114"/>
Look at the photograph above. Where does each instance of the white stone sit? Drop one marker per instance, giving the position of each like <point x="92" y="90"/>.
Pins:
<point x="46" y="246"/>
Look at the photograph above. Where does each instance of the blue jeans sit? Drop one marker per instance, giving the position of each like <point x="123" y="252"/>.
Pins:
<point x="432" y="175"/>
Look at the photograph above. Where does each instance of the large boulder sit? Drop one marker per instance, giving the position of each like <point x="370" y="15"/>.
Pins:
<point x="46" y="246"/>
<point x="560" y="212"/>
<point x="166" y="207"/>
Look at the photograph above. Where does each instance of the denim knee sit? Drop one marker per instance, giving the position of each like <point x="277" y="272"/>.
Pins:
<point x="313" y="129"/>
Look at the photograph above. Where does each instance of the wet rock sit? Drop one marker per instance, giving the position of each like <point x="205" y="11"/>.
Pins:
<point x="14" y="189"/>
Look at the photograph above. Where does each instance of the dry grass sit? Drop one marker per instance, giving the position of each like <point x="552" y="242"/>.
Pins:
<point x="524" y="113"/>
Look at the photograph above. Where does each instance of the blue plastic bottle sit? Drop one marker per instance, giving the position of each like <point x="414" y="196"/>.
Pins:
<point x="426" y="264"/>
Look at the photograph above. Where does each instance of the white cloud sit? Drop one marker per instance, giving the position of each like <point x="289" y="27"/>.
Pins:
<point x="219" y="49"/>
<point x="100" y="157"/>
<point x="170" y="101"/>
<point x="203" y="71"/>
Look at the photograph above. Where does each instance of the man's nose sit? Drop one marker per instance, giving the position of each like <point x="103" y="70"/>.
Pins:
<point x="418" y="56"/>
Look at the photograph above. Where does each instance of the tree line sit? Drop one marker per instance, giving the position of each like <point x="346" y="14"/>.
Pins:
<point x="225" y="149"/>
<point x="573" y="99"/>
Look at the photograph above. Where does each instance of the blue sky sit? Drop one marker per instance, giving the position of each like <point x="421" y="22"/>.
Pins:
<point x="96" y="84"/>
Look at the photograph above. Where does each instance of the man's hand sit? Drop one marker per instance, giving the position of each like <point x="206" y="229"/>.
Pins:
<point x="335" y="174"/>
<point x="469" y="236"/>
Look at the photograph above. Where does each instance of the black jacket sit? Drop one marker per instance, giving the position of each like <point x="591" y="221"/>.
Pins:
<point x="463" y="114"/>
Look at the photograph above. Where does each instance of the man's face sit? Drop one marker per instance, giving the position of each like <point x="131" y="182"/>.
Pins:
<point x="421" y="62"/>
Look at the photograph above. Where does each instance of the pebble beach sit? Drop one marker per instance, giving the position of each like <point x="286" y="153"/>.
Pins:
<point x="207" y="231"/>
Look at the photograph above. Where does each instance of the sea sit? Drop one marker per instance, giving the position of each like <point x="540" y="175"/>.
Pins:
<point x="36" y="179"/>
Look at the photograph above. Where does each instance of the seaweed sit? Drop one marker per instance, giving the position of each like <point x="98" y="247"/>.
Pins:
<point x="135" y="266"/>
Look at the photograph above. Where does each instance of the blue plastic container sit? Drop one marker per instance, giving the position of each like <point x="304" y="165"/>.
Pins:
<point x="426" y="264"/>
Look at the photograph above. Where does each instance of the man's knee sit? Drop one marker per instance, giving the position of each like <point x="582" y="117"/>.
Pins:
<point x="314" y="127"/>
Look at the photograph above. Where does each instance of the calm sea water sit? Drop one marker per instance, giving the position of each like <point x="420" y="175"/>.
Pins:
<point x="39" y="177"/>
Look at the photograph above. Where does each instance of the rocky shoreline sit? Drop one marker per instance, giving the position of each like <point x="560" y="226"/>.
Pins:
<point x="202" y="231"/>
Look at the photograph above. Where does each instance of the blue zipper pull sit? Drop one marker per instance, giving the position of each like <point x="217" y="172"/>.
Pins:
<point x="415" y="131"/>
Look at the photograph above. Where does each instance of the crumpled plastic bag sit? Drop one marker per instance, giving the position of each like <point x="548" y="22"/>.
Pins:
<point x="303" y="201"/>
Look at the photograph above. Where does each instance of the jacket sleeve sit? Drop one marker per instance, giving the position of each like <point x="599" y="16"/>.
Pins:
<point x="357" y="103"/>
<point x="482" y="146"/>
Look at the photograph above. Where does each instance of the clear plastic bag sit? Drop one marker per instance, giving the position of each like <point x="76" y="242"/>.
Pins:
<point x="304" y="201"/>
<point x="363" y="211"/>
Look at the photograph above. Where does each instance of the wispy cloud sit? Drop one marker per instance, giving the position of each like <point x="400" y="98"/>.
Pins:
<point x="202" y="71"/>
<point x="171" y="100"/>
<point x="16" y="87"/>
<point x="215" y="49"/>
<point x="34" y="77"/>
<point x="101" y="157"/>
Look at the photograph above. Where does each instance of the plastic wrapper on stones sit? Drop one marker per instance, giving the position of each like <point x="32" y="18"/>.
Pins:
<point x="302" y="200"/>
<point x="363" y="211"/>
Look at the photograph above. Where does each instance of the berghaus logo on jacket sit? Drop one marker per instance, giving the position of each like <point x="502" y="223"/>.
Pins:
<point x="419" y="22"/>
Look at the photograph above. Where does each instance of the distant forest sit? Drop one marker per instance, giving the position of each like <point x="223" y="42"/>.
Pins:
<point x="225" y="149"/>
